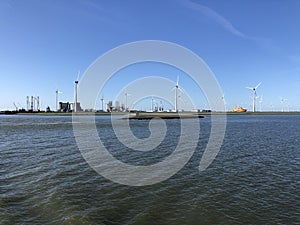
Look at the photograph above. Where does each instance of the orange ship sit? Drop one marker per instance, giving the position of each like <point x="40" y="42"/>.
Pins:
<point x="241" y="110"/>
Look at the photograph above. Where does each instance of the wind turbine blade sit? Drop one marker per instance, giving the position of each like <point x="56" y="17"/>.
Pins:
<point x="258" y="85"/>
<point x="78" y="75"/>
<point x="249" y="88"/>
<point x="181" y="90"/>
<point x="177" y="80"/>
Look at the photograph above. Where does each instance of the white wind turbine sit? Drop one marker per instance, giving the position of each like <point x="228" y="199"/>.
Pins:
<point x="161" y="106"/>
<point x="126" y="98"/>
<point x="57" y="92"/>
<point x="261" y="102"/>
<point x="176" y="94"/>
<point x="224" y="101"/>
<point x="76" y="89"/>
<point x="154" y="105"/>
<point x="254" y="95"/>
<point x="102" y="101"/>
<point x="282" y="103"/>
<point x="271" y="106"/>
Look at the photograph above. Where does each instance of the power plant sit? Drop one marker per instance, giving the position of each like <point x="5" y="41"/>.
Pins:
<point x="33" y="103"/>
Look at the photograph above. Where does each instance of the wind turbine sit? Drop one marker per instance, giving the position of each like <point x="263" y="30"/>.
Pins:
<point x="126" y="96"/>
<point x="282" y="103"/>
<point x="102" y="100"/>
<point x="161" y="107"/>
<point x="254" y="94"/>
<point x="224" y="101"/>
<point x="176" y="94"/>
<point x="76" y="87"/>
<point x="271" y="106"/>
<point x="260" y="102"/>
<point x="152" y="104"/>
<point x="57" y="92"/>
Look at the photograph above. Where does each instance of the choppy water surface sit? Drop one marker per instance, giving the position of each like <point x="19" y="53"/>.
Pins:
<point x="254" y="179"/>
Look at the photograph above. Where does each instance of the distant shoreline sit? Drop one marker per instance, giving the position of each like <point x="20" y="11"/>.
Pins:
<point x="157" y="114"/>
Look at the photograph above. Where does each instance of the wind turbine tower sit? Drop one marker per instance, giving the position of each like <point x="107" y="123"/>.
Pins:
<point x="176" y="95"/>
<point x="283" y="103"/>
<point x="254" y="95"/>
<point x="102" y="100"/>
<point x="271" y="107"/>
<point x="224" y="102"/>
<point x="260" y="102"/>
<point x="76" y="89"/>
<point x="126" y="96"/>
<point x="152" y="104"/>
<point x="177" y="89"/>
<point x="161" y="107"/>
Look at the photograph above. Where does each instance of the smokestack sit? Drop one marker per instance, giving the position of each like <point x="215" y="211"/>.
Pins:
<point x="31" y="103"/>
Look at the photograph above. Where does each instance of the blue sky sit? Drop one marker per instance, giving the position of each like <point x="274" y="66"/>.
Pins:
<point x="43" y="44"/>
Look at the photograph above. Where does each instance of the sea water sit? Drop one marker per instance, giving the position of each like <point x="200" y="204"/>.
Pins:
<point x="254" y="179"/>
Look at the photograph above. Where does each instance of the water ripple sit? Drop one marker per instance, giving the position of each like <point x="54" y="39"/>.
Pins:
<point x="254" y="179"/>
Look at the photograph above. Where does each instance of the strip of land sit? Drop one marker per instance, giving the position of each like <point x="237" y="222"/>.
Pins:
<point x="164" y="115"/>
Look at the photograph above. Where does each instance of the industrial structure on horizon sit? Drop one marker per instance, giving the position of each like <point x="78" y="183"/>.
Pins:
<point x="33" y="103"/>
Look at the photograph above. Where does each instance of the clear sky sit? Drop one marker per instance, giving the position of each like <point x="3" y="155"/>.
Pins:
<point x="43" y="44"/>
